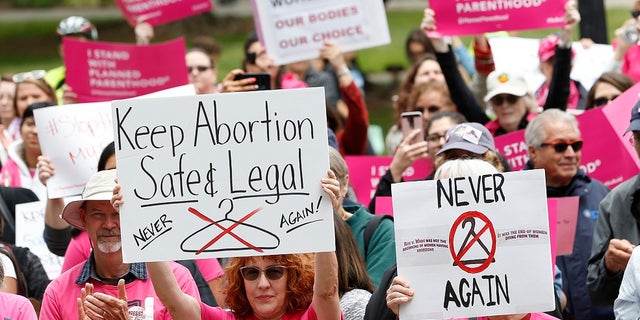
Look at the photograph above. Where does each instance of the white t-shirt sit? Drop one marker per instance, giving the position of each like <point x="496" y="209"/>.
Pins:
<point x="7" y="265"/>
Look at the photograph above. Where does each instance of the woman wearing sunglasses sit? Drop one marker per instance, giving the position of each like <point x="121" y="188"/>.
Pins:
<point x="606" y="88"/>
<point x="277" y="287"/>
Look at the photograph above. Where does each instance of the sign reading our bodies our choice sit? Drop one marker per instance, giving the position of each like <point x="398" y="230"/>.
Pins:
<point x="234" y="174"/>
<point x="479" y="246"/>
<point x="296" y="30"/>
<point x="103" y="71"/>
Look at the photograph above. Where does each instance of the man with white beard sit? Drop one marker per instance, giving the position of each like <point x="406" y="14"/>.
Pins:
<point x="104" y="268"/>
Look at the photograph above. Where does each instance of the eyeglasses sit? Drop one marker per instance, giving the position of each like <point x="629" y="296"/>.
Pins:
<point x="271" y="272"/>
<point x="603" y="101"/>
<point x="499" y="99"/>
<point x="199" y="68"/>
<point x="430" y="109"/>
<point x="434" y="137"/>
<point x="635" y="14"/>
<point x="561" y="146"/>
<point x="34" y="75"/>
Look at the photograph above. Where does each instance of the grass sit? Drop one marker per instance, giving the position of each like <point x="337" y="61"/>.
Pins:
<point x="30" y="45"/>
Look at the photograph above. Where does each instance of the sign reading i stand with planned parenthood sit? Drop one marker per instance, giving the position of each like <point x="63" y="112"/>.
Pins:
<point x="477" y="246"/>
<point x="294" y="30"/>
<point x="234" y="174"/>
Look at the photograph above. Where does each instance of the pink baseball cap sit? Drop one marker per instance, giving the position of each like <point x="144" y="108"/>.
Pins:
<point x="547" y="48"/>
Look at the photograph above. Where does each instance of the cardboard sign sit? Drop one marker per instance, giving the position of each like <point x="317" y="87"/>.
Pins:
<point x="474" y="246"/>
<point x="365" y="173"/>
<point x="296" y="30"/>
<point x="101" y="71"/>
<point x="233" y="174"/>
<point x="161" y="12"/>
<point x="469" y="17"/>
<point x="29" y="228"/>
<point x="73" y="137"/>
<point x="564" y="211"/>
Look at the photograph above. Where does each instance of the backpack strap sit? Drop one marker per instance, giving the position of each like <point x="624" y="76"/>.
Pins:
<point x="371" y="228"/>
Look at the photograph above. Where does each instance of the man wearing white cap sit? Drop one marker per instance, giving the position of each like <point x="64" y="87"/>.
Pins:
<point x="104" y="268"/>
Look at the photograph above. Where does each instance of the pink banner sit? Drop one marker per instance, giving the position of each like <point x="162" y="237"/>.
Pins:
<point x="466" y="17"/>
<point x="384" y="205"/>
<point x="160" y="12"/>
<point x="563" y="217"/>
<point x="101" y="71"/>
<point x="607" y="154"/>
<point x="366" y="171"/>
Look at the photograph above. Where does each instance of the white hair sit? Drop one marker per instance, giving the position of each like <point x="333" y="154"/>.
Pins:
<point x="464" y="167"/>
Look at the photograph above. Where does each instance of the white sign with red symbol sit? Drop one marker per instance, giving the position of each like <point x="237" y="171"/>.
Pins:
<point x="474" y="246"/>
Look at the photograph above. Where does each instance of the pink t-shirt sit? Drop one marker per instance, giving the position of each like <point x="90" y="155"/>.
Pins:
<point x="15" y="307"/>
<point x="80" y="247"/>
<point x="217" y="313"/>
<point x="59" y="301"/>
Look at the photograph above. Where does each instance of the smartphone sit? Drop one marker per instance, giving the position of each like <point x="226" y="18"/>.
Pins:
<point x="263" y="79"/>
<point x="410" y="121"/>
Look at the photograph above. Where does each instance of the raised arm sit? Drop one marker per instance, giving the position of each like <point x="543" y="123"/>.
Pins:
<point x="56" y="231"/>
<point x="326" y="301"/>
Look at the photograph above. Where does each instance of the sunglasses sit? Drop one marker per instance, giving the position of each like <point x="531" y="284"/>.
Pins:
<point x="635" y="14"/>
<point x="199" y="68"/>
<point x="34" y="75"/>
<point x="499" y="99"/>
<point x="561" y="146"/>
<point x="271" y="272"/>
<point x="602" y="101"/>
<point x="430" y="109"/>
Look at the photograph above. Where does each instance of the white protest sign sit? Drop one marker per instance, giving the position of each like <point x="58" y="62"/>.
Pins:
<point x="474" y="246"/>
<point x="296" y="30"/>
<point x="73" y="136"/>
<point x="521" y="54"/>
<point x="29" y="228"/>
<point x="222" y="175"/>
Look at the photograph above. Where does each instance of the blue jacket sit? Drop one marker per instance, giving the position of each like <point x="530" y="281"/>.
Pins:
<point x="574" y="266"/>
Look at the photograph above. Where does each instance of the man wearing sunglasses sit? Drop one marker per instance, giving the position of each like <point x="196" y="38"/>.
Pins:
<point x="617" y="233"/>
<point x="555" y="145"/>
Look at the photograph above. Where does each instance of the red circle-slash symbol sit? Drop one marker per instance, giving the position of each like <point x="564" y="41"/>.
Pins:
<point x="472" y="239"/>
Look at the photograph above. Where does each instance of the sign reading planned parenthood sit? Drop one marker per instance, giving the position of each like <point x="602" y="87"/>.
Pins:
<point x="234" y="174"/>
<point x="474" y="246"/>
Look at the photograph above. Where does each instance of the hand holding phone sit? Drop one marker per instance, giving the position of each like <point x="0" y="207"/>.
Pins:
<point x="263" y="79"/>
<point x="409" y="121"/>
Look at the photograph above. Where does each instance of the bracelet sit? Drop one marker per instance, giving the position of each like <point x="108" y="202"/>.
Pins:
<point x="345" y="71"/>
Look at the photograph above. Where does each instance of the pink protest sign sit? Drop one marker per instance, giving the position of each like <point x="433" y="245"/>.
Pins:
<point x="365" y="173"/>
<point x="514" y="148"/>
<point x="160" y="12"/>
<point x="563" y="216"/>
<point x="463" y="17"/>
<point x="384" y="205"/>
<point x="101" y="71"/>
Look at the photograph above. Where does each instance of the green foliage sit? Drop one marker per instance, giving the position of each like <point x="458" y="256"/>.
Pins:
<point x="34" y="3"/>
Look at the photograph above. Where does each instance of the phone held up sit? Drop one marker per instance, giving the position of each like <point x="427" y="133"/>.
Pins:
<point x="410" y="121"/>
<point x="263" y="79"/>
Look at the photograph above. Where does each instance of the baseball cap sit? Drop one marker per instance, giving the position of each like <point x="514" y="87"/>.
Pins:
<point x="469" y="136"/>
<point x="505" y="82"/>
<point x="547" y="47"/>
<point x="99" y="187"/>
<point x="634" y="124"/>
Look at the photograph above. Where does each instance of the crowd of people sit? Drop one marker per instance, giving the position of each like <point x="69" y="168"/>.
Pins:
<point x="455" y="90"/>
